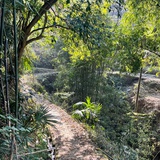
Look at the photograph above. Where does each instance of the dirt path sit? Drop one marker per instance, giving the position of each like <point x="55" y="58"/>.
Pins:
<point x="71" y="139"/>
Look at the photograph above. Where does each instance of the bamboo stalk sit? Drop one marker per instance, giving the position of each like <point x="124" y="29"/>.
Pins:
<point x="15" y="145"/>
<point x="3" y="94"/>
<point x="2" y="22"/>
<point x="1" y="40"/>
<point x="13" y="151"/>
<point x="12" y="147"/>
<point x="16" y="59"/>
<point x="6" y="79"/>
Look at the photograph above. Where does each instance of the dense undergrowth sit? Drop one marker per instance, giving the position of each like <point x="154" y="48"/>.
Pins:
<point x="114" y="126"/>
<point x="28" y="136"/>
<point x="103" y="102"/>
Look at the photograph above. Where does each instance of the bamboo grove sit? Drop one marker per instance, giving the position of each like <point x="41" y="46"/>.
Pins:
<point x="17" y="127"/>
<point x="9" y="69"/>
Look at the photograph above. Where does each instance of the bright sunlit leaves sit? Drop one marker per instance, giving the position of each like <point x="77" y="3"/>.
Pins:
<point x="78" y="50"/>
<point x="104" y="8"/>
<point x="139" y="30"/>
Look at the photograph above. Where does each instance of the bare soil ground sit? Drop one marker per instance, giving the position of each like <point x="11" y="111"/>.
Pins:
<point x="71" y="139"/>
<point x="149" y="97"/>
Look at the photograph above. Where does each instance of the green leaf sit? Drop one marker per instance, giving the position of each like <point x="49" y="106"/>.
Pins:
<point x="14" y="128"/>
<point x="3" y="117"/>
<point x="68" y="1"/>
<point x="88" y="8"/>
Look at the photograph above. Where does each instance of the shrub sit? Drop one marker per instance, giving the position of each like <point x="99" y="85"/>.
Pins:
<point x="87" y="111"/>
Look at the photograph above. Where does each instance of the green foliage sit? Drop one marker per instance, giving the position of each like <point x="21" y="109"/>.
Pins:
<point x="46" y="83"/>
<point x="141" y="133"/>
<point x="38" y="88"/>
<point x="138" y="39"/>
<point x="116" y="108"/>
<point x="91" y="43"/>
<point x="45" y="54"/>
<point x="30" y="132"/>
<point x="42" y="117"/>
<point x="63" y="98"/>
<point x="84" y="79"/>
<point x="129" y="134"/>
<point x="92" y="34"/>
<point x="27" y="60"/>
<point x="38" y="117"/>
<point x="6" y="132"/>
<point x="87" y="111"/>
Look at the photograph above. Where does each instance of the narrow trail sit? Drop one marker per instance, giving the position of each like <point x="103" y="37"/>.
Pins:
<point x="71" y="139"/>
<point x="73" y="142"/>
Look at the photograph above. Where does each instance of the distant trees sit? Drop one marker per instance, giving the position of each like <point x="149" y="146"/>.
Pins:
<point x="138" y="34"/>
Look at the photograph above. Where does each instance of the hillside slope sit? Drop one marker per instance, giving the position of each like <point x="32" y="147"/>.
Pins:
<point x="71" y="139"/>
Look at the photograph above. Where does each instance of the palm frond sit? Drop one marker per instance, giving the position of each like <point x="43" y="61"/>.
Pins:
<point x="43" y="117"/>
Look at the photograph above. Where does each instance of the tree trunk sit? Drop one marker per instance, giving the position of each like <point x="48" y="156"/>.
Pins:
<point x="137" y="96"/>
<point x="27" y="29"/>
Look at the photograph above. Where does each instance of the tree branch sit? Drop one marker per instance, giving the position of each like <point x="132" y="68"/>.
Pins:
<point x="26" y="30"/>
<point x="41" y="34"/>
<point x="54" y="25"/>
<point x="45" y="22"/>
<point x="26" y="22"/>
<point x="38" y="29"/>
<point x="34" y="39"/>
<point x="60" y="26"/>
<point x="47" y="5"/>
